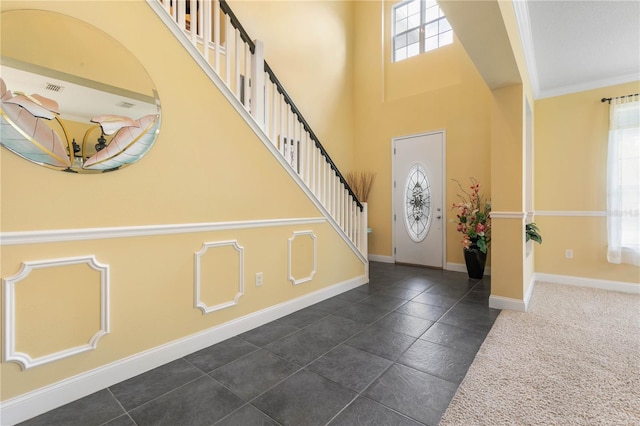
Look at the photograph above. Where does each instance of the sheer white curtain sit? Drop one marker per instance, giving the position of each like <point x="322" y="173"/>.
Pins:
<point x="623" y="181"/>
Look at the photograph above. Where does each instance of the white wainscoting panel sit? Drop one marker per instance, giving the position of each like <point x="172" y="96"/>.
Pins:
<point x="198" y="282"/>
<point x="34" y="403"/>
<point x="9" y="307"/>
<point x="294" y="280"/>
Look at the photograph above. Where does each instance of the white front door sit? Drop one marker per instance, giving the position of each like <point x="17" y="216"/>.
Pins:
<point x="418" y="199"/>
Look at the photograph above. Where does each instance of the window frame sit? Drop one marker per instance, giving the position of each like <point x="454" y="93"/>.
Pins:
<point x="422" y="26"/>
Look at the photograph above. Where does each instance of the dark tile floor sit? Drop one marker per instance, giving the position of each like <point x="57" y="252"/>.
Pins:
<point x="391" y="352"/>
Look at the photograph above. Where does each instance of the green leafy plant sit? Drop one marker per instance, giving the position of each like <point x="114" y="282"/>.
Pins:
<point x="532" y="232"/>
<point x="473" y="217"/>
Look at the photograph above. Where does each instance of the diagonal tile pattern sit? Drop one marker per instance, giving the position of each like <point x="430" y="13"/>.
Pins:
<point x="391" y="352"/>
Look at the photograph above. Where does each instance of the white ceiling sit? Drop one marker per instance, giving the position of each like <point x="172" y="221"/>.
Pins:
<point x="569" y="45"/>
<point x="576" y="45"/>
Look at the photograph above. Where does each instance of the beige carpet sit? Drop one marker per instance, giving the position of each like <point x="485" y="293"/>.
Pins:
<point x="573" y="359"/>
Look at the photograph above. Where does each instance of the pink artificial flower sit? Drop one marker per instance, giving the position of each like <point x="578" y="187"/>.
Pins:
<point x="480" y="228"/>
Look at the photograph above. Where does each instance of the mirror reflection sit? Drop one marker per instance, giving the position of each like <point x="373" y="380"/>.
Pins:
<point x="72" y="97"/>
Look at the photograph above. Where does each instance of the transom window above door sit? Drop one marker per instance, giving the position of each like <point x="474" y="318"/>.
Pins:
<point x="419" y="26"/>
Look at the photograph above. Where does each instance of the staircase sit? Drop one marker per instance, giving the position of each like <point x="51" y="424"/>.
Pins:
<point x="216" y="40"/>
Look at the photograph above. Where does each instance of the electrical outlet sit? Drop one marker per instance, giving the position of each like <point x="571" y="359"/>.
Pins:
<point x="568" y="253"/>
<point x="258" y="279"/>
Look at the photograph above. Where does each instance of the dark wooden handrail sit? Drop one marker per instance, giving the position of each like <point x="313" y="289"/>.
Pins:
<point x="224" y="6"/>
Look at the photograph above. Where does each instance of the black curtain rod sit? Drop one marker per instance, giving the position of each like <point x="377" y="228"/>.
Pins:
<point x="625" y="96"/>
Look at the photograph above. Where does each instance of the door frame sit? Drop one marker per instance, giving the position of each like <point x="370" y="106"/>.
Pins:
<point x="444" y="190"/>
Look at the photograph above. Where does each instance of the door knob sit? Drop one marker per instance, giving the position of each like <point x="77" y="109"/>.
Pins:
<point x="438" y="217"/>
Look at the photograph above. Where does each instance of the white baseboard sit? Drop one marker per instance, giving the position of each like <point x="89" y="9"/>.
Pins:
<point x="381" y="258"/>
<point x="34" y="403"/>
<point x="461" y="267"/>
<point x="529" y="294"/>
<point x="589" y="282"/>
<point x="499" y="302"/>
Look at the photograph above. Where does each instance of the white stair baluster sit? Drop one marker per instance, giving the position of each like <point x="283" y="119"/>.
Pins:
<point x="237" y="47"/>
<point x="227" y="51"/>
<point x="247" y="76"/>
<point x="257" y="82"/>
<point x="206" y="36"/>
<point x="274" y="115"/>
<point x="182" y="12"/>
<point x="193" y="20"/>
<point x="216" y="35"/>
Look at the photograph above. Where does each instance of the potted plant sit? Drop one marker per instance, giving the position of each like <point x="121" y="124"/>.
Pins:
<point x="474" y="222"/>
<point x="360" y="183"/>
<point x="532" y="232"/>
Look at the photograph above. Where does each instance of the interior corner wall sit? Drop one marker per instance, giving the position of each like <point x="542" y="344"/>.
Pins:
<point x="570" y="185"/>
<point x="438" y="90"/>
<point x="208" y="180"/>
<point x="508" y="270"/>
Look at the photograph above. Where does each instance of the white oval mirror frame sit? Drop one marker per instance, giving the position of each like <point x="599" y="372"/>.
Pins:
<point x="73" y="98"/>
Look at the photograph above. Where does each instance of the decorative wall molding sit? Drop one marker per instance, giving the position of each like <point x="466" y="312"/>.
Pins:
<point x="529" y="215"/>
<point x="9" y="308"/>
<point x="54" y="236"/>
<point x="590" y="85"/>
<point x="296" y="281"/>
<point x="34" y="403"/>
<point x="571" y="213"/>
<point x="508" y="215"/>
<point x="198" y="284"/>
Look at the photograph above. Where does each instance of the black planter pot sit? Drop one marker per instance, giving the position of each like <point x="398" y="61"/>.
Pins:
<point x="475" y="260"/>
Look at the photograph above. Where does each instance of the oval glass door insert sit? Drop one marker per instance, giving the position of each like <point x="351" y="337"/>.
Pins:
<point x="417" y="205"/>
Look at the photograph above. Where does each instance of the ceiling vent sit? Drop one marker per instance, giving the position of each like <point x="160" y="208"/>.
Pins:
<point x="53" y="87"/>
<point x="125" y="104"/>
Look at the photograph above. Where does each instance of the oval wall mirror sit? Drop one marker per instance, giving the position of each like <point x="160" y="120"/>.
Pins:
<point x="72" y="97"/>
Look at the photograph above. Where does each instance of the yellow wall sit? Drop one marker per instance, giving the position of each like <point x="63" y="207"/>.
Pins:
<point x="357" y="101"/>
<point x="506" y="182"/>
<point x="570" y="171"/>
<point x="207" y="166"/>
<point x="308" y="44"/>
<point x="440" y="90"/>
